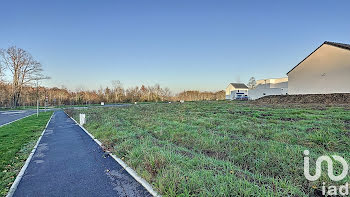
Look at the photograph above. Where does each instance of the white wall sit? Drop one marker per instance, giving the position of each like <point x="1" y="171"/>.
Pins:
<point x="261" y="92"/>
<point x="327" y="70"/>
<point x="229" y="89"/>
<point x="228" y="92"/>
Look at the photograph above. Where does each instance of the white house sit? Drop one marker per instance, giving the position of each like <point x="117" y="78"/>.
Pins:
<point x="236" y="91"/>
<point x="324" y="71"/>
<point x="265" y="87"/>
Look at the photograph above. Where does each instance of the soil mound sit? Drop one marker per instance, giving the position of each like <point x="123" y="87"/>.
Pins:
<point x="333" y="99"/>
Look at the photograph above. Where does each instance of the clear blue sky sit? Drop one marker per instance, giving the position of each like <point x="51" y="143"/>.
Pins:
<point x="181" y="44"/>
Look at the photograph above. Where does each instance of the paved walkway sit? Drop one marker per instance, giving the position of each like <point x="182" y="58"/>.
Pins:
<point x="69" y="163"/>
<point x="9" y="116"/>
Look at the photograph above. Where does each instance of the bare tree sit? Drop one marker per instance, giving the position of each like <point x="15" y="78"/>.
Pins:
<point x="23" y="67"/>
<point x="118" y="91"/>
<point x="1" y="72"/>
<point x="252" y="83"/>
<point x="166" y="94"/>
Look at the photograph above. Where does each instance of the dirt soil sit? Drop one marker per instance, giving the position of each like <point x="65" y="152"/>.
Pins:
<point x="332" y="99"/>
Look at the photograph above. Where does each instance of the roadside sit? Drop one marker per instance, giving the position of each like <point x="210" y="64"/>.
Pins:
<point x="15" y="146"/>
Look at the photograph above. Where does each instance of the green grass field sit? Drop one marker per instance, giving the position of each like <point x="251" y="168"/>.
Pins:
<point x="223" y="148"/>
<point x="16" y="141"/>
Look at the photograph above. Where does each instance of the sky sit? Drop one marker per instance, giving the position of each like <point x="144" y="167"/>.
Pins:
<point x="179" y="44"/>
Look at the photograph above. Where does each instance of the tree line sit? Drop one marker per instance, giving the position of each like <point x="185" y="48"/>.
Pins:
<point x="193" y="95"/>
<point x="26" y="73"/>
<point x="114" y="94"/>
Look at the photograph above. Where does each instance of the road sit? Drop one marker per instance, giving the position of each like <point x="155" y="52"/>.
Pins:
<point x="9" y="116"/>
<point x="68" y="162"/>
<point x="13" y="115"/>
<point x="106" y="105"/>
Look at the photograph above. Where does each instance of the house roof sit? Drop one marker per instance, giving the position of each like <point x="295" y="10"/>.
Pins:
<point x="340" y="45"/>
<point x="239" y="85"/>
<point x="336" y="44"/>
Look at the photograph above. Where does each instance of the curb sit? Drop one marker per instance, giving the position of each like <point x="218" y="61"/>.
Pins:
<point x="16" y="120"/>
<point x="23" y="169"/>
<point x="139" y="179"/>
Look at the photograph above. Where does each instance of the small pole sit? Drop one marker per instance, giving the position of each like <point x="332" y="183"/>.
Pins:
<point x="82" y="119"/>
<point x="37" y="108"/>
<point x="37" y="93"/>
<point x="37" y="98"/>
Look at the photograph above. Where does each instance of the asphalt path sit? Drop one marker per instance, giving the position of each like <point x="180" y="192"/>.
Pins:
<point x="9" y="116"/>
<point x="67" y="162"/>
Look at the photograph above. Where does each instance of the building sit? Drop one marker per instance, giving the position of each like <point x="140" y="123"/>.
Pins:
<point x="236" y="91"/>
<point x="265" y="87"/>
<point x="324" y="71"/>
